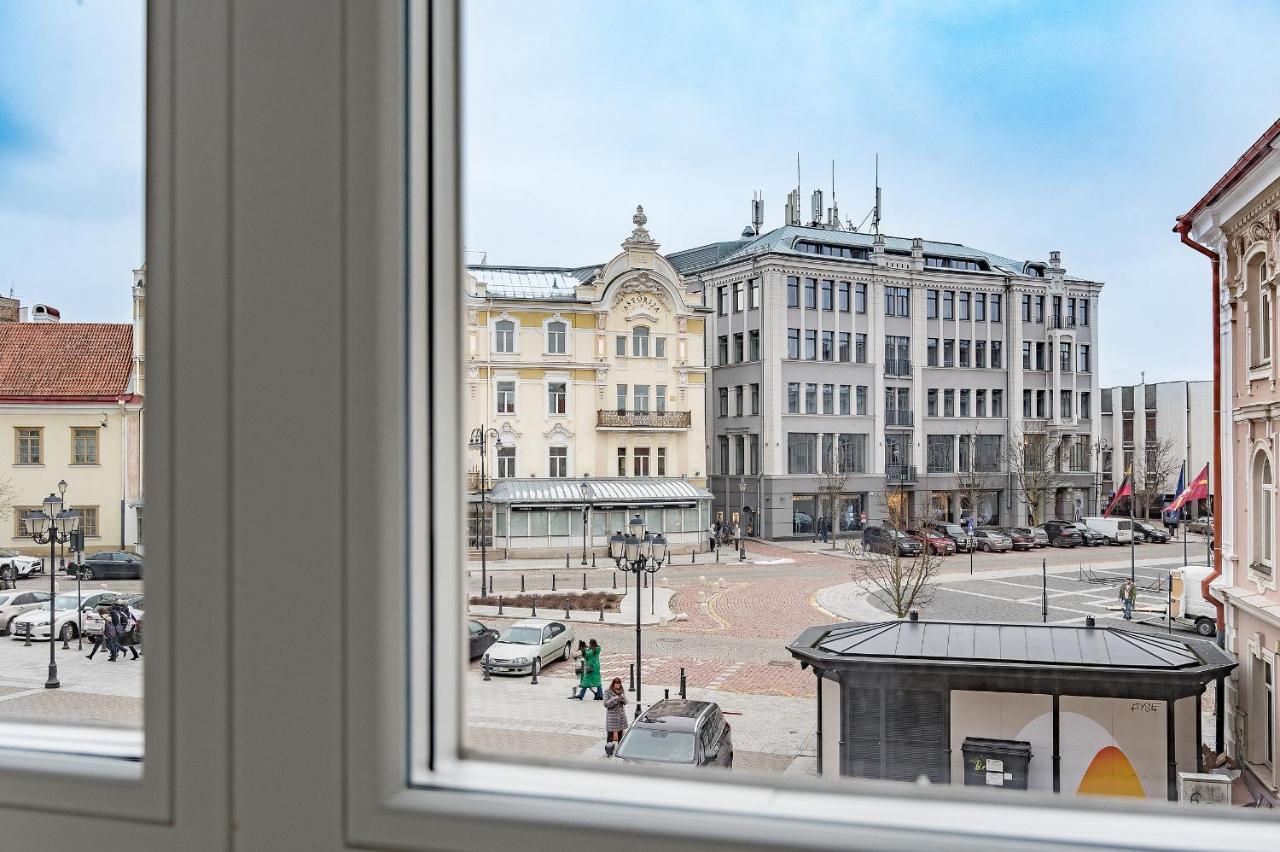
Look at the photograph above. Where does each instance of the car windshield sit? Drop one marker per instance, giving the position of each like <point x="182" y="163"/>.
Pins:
<point x="63" y="602"/>
<point x="656" y="744"/>
<point x="952" y="529"/>
<point x="522" y="635"/>
<point x="6" y="552"/>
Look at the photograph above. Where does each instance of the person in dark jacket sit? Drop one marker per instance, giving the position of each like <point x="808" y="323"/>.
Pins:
<point x="615" y="716"/>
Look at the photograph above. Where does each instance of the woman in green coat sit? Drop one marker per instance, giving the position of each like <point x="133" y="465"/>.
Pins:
<point x="590" y="678"/>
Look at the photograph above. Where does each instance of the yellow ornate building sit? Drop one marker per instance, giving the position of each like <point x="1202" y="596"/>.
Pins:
<point x="590" y="376"/>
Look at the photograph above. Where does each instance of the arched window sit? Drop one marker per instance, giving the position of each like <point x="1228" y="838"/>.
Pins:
<point x="1263" y="499"/>
<point x="556" y="338"/>
<point x="640" y="341"/>
<point x="504" y="336"/>
<point x="1259" y="298"/>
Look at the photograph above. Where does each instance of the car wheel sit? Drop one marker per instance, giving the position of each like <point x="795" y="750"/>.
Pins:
<point x="68" y="632"/>
<point x="9" y="573"/>
<point x="567" y="652"/>
<point x="86" y="572"/>
<point x="1206" y="626"/>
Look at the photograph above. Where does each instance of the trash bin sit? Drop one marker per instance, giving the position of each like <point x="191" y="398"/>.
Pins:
<point x="996" y="763"/>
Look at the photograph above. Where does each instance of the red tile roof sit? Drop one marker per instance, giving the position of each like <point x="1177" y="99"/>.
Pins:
<point x="1247" y="161"/>
<point x="81" y="361"/>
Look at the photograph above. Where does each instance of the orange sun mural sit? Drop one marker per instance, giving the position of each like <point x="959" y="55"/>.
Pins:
<point x="1110" y="774"/>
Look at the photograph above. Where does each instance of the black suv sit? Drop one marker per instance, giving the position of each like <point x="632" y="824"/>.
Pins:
<point x="1062" y="533"/>
<point x="1151" y="533"/>
<point x="678" y="731"/>
<point x="888" y="540"/>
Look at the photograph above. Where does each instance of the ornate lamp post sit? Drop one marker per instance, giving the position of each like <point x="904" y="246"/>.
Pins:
<point x="638" y="552"/>
<point x="480" y="438"/>
<point x="53" y="526"/>
<point x="588" y="495"/>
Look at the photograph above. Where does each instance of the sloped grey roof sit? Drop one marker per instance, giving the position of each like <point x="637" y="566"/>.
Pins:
<point x="691" y="260"/>
<point x="782" y="240"/>
<point x="1016" y="645"/>
<point x="607" y="490"/>
<point x="533" y="282"/>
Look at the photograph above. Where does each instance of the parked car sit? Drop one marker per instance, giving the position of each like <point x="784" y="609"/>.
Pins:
<point x="1062" y="533"/>
<point x="936" y="542"/>
<point x="1021" y="538"/>
<point x="1150" y="533"/>
<point x="16" y="602"/>
<point x="884" y="539"/>
<point x="1202" y="525"/>
<point x="13" y="565"/>
<point x="675" y="730"/>
<point x="1090" y="538"/>
<point x="108" y="565"/>
<point x="1117" y="530"/>
<point x="528" y="641"/>
<point x="989" y="540"/>
<point x="481" y="637"/>
<point x="66" y="608"/>
<point x="964" y="542"/>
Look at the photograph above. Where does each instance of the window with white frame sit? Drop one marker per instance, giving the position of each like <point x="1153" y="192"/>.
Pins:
<point x="1259" y="297"/>
<point x="557" y="398"/>
<point x="506" y="462"/>
<point x="504" y="336"/>
<point x="556" y="337"/>
<point x="640" y="341"/>
<point x="1263" y="513"/>
<point x="558" y="462"/>
<point x="506" y="402"/>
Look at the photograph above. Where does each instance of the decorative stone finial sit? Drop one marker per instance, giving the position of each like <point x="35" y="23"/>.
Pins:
<point x="639" y="235"/>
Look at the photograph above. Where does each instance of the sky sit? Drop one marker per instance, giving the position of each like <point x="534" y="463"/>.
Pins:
<point x="1018" y="128"/>
<point x="1014" y="127"/>
<point x="71" y="154"/>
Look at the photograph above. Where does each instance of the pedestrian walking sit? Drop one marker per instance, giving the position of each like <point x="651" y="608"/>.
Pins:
<point x="99" y="640"/>
<point x="126" y="629"/>
<point x="589" y="673"/>
<point x="615" y="716"/>
<point x="1128" y="596"/>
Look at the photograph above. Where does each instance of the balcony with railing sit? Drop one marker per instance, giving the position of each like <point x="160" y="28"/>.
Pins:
<point x="1060" y="321"/>
<point x="897" y="417"/>
<point x="616" y="418"/>
<point x="900" y="473"/>
<point x="900" y="367"/>
<point x="1035" y="425"/>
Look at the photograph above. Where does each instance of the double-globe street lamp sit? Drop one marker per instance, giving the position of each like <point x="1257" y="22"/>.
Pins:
<point x="638" y="552"/>
<point x="53" y="526"/>
<point x="480" y="437"/>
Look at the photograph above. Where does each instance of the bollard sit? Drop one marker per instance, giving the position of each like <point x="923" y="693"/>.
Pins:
<point x="615" y="581"/>
<point x="717" y="554"/>
<point x="693" y="557"/>
<point x="65" y="646"/>
<point x="553" y="582"/>
<point x="533" y="610"/>
<point x="484" y="666"/>
<point x="27" y="644"/>
<point x="499" y="604"/>
<point x="584" y="581"/>
<point x="566" y="610"/>
<point x="566" y="560"/>
<point x="682" y="683"/>
<point x="522" y="584"/>
<point x="632" y="687"/>
<point x="491" y="584"/>
<point x="666" y="693"/>
<point x="593" y="560"/>
<point x="537" y="666"/>
<point x="602" y="610"/>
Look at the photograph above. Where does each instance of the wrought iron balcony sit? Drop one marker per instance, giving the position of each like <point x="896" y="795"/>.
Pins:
<point x="1059" y="321"/>
<point x="613" y="418"/>
<point x="897" y="417"/>
<point x="900" y="473"/>
<point x="897" y="367"/>
<point x="1035" y="426"/>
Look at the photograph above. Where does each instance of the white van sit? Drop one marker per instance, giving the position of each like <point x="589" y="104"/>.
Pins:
<point x="1117" y="530"/>
<point x="1188" y="598"/>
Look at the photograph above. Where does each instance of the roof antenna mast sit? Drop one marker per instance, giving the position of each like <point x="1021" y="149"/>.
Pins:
<point x="875" y="217"/>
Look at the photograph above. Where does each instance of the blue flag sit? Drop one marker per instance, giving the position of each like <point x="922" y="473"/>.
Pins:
<point x="1176" y="514"/>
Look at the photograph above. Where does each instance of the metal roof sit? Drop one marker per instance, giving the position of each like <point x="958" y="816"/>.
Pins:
<point x="1011" y="645"/>
<point x="694" y="259"/>
<point x="607" y="490"/>
<point x="533" y="282"/>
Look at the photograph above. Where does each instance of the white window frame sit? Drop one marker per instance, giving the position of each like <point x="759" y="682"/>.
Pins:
<point x="564" y="334"/>
<point x="497" y="335"/>
<point x="229" y="230"/>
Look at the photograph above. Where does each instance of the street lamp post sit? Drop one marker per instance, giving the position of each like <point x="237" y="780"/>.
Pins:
<point x="639" y="553"/>
<point x="480" y="441"/>
<point x="742" y="519"/>
<point x="588" y="494"/>
<point x="53" y="526"/>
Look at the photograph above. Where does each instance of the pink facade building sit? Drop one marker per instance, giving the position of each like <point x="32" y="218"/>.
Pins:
<point x="1237" y="226"/>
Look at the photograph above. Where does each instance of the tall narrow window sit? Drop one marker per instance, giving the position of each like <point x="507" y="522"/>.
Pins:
<point x="558" y="462"/>
<point x="931" y="304"/>
<point x="980" y="307"/>
<point x="845" y="297"/>
<point x="964" y="306"/>
<point x="641" y="397"/>
<point x="622" y="461"/>
<point x="753" y="294"/>
<point x="828" y="295"/>
<point x="84" y="445"/>
<point x="793" y="343"/>
<point x="811" y="398"/>
<point x="753" y="344"/>
<point x="506" y="397"/>
<point x="506" y="462"/>
<point x="557" y="397"/>
<point x="739" y="355"/>
<point x="828" y="399"/>
<point x="737" y="298"/>
<point x="556" y="338"/>
<point x="1263" y="512"/>
<point x="860" y="348"/>
<point x="755" y="399"/>
<point x="860" y="299"/>
<point x="720" y="301"/>
<point x="843" y="354"/>
<point x="811" y="344"/>
<point x="622" y="399"/>
<point x="997" y="403"/>
<point x="828" y="345"/>
<point x="811" y="293"/>
<point x="948" y="304"/>
<point x="640" y="458"/>
<point x="860" y="400"/>
<point x="504" y="336"/>
<point x="995" y="307"/>
<point x="793" y="397"/>
<point x="640" y="341"/>
<point x="996" y="355"/>
<point x="662" y="461"/>
<point x="660" y="399"/>
<point x="793" y="291"/>
<point x="844" y="399"/>
<point x="30" y="445"/>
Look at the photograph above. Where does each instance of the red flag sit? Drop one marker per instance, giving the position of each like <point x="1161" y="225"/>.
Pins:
<point x="1125" y="490"/>
<point x="1197" y="489"/>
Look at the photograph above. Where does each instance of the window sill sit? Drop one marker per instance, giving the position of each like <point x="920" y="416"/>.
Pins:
<point x="85" y="464"/>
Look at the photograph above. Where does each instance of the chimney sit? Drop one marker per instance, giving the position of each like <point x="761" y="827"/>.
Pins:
<point x="917" y="254"/>
<point x="44" y="313"/>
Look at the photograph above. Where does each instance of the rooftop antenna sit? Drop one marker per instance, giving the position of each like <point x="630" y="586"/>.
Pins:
<point x="757" y="211"/>
<point x="875" y="216"/>
<point x="833" y="214"/>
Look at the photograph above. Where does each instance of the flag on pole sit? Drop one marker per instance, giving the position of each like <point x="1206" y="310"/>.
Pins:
<point x="1125" y="490"/>
<point x="1172" y="514"/>
<point x="1197" y="490"/>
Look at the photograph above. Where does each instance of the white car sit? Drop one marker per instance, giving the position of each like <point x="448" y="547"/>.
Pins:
<point x="65" y="621"/>
<point x="16" y="602"/>
<point x="14" y="565"/>
<point x="528" y="640"/>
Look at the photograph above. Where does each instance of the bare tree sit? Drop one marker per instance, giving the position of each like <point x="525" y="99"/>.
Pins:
<point x="902" y="582"/>
<point x="1034" y="464"/>
<point x="833" y="486"/>
<point x="973" y="482"/>
<point x="1152" y="469"/>
<point x="8" y="498"/>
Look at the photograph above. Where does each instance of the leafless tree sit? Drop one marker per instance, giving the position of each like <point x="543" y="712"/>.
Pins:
<point x="8" y="498"/>
<point x="833" y="486"/>
<point x="903" y="583"/>
<point x="973" y="483"/>
<point x="1034" y="465"/>
<point x="1152" y="469"/>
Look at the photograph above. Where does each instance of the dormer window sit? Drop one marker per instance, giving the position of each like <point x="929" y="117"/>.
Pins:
<point x="934" y="262"/>
<point x="831" y="250"/>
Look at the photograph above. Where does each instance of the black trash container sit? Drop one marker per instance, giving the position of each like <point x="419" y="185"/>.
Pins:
<point x="996" y="763"/>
